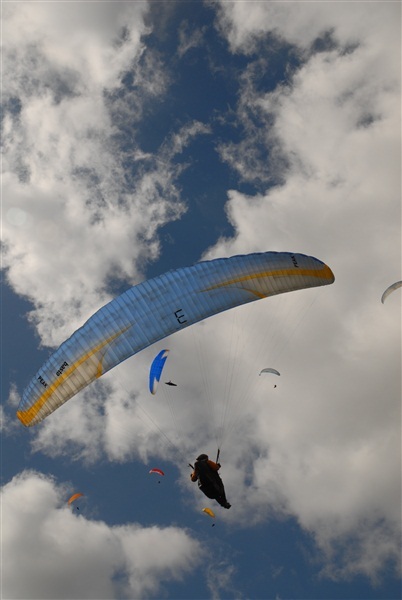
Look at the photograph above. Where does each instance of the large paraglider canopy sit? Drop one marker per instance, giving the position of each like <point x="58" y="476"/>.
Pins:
<point x="154" y="309"/>
<point x="156" y="369"/>
<point x="390" y="289"/>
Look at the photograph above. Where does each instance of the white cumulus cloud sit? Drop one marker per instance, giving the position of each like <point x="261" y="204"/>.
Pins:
<point x="49" y="551"/>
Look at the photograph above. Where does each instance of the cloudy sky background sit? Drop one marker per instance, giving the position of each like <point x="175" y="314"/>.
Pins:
<point x="140" y="137"/>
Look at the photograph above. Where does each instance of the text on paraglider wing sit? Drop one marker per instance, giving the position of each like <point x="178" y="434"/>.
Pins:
<point x="180" y="316"/>
<point x="61" y="369"/>
<point x="42" y="381"/>
<point x="294" y="261"/>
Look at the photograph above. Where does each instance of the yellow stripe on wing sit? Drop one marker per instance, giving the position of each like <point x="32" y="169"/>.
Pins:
<point x="28" y="415"/>
<point x="324" y="273"/>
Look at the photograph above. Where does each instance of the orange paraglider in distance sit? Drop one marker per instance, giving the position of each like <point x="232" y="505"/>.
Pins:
<point x="73" y="498"/>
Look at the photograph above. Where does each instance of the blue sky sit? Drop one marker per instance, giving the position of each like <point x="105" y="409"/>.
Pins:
<point x="145" y="136"/>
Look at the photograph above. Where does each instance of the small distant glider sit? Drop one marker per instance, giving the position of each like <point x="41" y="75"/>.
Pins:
<point x="390" y="289"/>
<point x="209" y="512"/>
<point x="158" y="471"/>
<point x="73" y="498"/>
<point x="156" y="370"/>
<point x="269" y="370"/>
<point x="171" y="383"/>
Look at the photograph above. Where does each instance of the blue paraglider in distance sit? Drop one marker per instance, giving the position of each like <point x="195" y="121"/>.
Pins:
<point x="156" y="370"/>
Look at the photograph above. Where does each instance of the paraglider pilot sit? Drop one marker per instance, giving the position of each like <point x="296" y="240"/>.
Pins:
<point x="209" y="482"/>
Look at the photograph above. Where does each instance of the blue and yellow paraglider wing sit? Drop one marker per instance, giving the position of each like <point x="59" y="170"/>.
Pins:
<point x="154" y="309"/>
